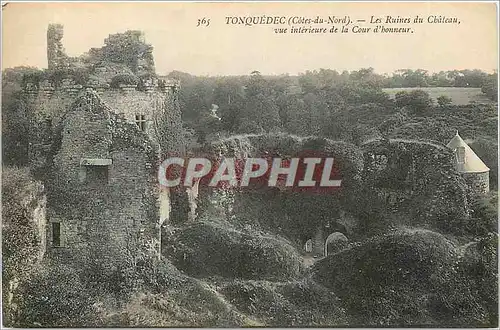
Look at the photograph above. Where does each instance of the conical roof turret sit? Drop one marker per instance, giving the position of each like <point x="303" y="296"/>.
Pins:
<point x="470" y="163"/>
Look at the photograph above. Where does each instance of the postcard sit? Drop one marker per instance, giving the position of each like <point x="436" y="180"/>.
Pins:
<point x="249" y="164"/>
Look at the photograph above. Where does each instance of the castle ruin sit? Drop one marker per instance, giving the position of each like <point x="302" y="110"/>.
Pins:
<point x="97" y="135"/>
<point x="95" y="141"/>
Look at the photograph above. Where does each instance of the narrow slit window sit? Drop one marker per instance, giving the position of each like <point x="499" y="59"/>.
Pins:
<point x="56" y="234"/>
<point x="461" y="155"/>
<point x="140" y="120"/>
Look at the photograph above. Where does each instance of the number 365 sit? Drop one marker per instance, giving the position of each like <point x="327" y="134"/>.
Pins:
<point x="203" y="21"/>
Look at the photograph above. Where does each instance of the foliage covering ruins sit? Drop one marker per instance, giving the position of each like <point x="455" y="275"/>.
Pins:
<point x="90" y="239"/>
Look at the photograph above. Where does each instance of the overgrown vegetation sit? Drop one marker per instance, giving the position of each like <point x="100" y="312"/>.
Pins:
<point x="410" y="277"/>
<point x="241" y="263"/>
<point x="124" y="79"/>
<point x="205" y="249"/>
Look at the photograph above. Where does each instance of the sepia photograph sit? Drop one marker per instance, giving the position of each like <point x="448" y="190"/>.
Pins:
<point x="249" y="164"/>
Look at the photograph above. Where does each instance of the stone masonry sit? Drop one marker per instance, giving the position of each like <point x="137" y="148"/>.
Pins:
<point x="101" y="193"/>
<point x="97" y="149"/>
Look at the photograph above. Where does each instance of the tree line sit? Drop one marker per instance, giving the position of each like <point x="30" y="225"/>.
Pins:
<point x="348" y="106"/>
<point x="323" y="102"/>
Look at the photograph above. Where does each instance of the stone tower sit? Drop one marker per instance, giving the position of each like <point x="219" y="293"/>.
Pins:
<point x="470" y="166"/>
<point x="102" y="200"/>
<point x="56" y="56"/>
<point x="96" y="147"/>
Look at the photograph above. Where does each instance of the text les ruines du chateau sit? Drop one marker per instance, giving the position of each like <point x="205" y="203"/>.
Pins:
<point x="283" y="20"/>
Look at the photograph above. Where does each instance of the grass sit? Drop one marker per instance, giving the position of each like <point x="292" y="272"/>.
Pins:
<point x="458" y="95"/>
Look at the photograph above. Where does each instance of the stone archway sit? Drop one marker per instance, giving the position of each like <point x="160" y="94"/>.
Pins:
<point x="335" y="242"/>
<point x="308" y="246"/>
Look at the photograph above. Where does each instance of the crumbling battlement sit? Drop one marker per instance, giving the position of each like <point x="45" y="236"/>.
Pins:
<point x="128" y="48"/>
<point x="127" y="99"/>
<point x="45" y="89"/>
<point x="121" y="73"/>
<point x="136" y="107"/>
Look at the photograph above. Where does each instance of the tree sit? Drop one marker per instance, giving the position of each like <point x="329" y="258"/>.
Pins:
<point x="444" y="100"/>
<point x="417" y="100"/>
<point x="229" y="95"/>
<point x="411" y="78"/>
<point x="15" y="122"/>
<point x="490" y="86"/>
<point x="263" y="111"/>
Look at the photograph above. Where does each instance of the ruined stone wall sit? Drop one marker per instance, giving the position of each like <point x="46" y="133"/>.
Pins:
<point x="53" y="101"/>
<point x="109" y="219"/>
<point x="418" y="179"/>
<point x="132" y="103"/>
<point x="298" y="216"/>
<point x="384" y="183"/>
<point x="478" y="183"/>
<point x="50" y="93"/>
<point x="47" y="105"/>
<point x="128" y="48"/>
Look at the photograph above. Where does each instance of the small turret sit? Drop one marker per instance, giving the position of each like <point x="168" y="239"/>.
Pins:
<point x="472" y="168"/>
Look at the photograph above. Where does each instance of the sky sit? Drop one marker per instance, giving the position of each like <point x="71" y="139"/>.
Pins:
<point x="225" y="49"/>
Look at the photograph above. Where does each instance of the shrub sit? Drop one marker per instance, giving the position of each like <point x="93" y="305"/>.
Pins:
<point x="484" y="216"/>
<point x="21" y="238"/>
<point x="125" y="79"/>
<point x="54" y="297"/>
<point x="443" y="100"/>
<point x="205" y="249"/>
<point x="80" y="75"/>
<point x="290" y="304"/>
<point x="407" y="277"/>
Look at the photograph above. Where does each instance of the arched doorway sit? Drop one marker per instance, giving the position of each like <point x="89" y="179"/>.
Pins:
<point x="308" y="246"/>
<point x="335" y="242"/>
